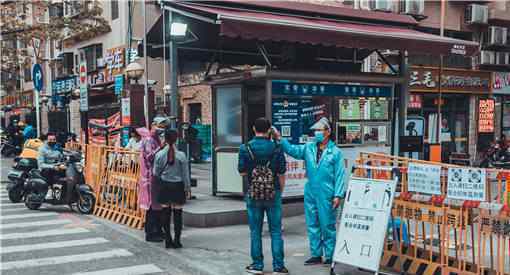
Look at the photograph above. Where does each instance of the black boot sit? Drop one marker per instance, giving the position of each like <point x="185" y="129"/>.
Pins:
<point x="158" y="230"/>
<point x="177" y="227"/>
<point x="150" y="227"/>
<point x="166" y="219"/>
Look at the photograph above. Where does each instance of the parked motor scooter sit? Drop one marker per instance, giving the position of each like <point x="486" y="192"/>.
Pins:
<point x="17" y="176"/>
<point x="41" y="190"/>
<point x="8" y="147"/>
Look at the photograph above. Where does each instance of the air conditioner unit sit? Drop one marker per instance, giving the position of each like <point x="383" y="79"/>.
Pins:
<point x="413" y="7"/>
<point x="381" y="5"/>
<point x="486" y="58"/>
<point x="477" y="14"/>
<point x="71" y="8"/>
<point x="497" y="36"/>
<point x="502" y="58"/>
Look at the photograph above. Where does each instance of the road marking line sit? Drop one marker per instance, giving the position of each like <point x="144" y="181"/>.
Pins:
<point x="51" y="245"/>
<point x="29" y="215"/>
<point x="131" y="270"/>
<point x="13" y="205"/>
<point x="18" y="209"/>
<point x="34" y="224"/>
<point x="46" y="233"/>
<point x="65" y="259"/>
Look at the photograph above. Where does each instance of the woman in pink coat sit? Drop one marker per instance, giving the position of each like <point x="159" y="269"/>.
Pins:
<point x="150" y="145"/>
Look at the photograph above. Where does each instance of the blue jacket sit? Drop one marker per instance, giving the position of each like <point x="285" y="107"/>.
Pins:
<point x="29" y="132"/>
<point x="325" y="177"/>
<point x="264" y="149"/>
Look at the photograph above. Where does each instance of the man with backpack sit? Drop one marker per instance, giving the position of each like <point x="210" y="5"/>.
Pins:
<point x="262" y="161"/>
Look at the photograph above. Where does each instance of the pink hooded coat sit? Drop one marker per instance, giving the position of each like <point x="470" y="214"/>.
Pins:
<point x="148" y="149"/>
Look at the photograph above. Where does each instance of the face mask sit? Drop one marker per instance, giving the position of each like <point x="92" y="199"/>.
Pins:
<point x="160" y="131"/>
<point x="319" y="136"/>
<point x="52" y="144"/>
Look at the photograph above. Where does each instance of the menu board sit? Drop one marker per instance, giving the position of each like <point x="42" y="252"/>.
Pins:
<point x="486" y="116"/>
<point x="378" y="108"/>
<point x="349" y="109"/>
<point x="349" y="133"/>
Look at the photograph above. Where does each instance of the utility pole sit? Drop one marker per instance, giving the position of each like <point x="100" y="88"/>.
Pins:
<point x="174" y="93"/>
<point x="146" y="88"/>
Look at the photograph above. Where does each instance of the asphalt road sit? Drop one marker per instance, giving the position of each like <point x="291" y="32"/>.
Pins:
<point x="57" y="240"/>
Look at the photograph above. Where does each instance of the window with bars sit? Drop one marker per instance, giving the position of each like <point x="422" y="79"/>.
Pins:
<point x="115" y="9"/>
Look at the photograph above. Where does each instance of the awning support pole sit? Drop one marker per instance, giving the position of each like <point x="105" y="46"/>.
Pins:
<point x="264" y="54"/>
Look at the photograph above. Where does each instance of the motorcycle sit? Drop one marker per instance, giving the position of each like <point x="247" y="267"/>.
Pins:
<point x="17" y="176"/>
<point x="495" y="157"/>
<point x="8" y="147"/>
<point x="41" y="190"/>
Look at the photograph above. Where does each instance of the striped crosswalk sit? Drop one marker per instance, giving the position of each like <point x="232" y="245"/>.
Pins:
<point x="48" y="241"/>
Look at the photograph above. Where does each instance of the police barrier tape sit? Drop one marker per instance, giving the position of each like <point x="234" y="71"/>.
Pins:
<point x="113" y="173"/>
<point x="437" y="235"/>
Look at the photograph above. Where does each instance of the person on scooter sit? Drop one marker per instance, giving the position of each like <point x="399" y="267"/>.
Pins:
<point x="50" y="160"/>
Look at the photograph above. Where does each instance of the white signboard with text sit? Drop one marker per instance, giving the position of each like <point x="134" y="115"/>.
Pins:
<point x="295" y="178"/>
<point x="466" y="184"/>
<point x="424" y="178"/>
<point x="362" y="228"/>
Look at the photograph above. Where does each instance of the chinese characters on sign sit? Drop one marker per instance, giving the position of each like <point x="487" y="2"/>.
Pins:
<point x="502" y="83"/>
<point x="427" y="79"/>
<point x="424" y="178"/>
<point x="283" y="87"/>
<point x="84" y="97"/>
<point x="486" y="116"/>
<point x="295" y="178"/>
<point x="360" y="237"/>
<point x="114" y="61"/>
<point x="466" y="184"/>
<point x="415" y="102"/>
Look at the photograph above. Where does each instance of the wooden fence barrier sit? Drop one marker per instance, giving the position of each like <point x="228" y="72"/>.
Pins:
<point x="117" y="189"/>
<point x="443" y="236"/>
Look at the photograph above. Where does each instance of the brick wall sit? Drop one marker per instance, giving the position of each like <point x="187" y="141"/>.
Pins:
<point x="197" y="94"/>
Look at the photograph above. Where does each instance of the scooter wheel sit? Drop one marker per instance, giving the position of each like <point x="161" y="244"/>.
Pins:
<point x="15" y="195"/>
<point x="86" y="203"/>
<point x="30" y="204"/>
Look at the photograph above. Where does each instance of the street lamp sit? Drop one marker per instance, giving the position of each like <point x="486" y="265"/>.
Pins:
<point x="134" y="71"/>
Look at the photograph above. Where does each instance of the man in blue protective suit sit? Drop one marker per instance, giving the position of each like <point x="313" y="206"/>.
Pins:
<point x="323" y="191"/>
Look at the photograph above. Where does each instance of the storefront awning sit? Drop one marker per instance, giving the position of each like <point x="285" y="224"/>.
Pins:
<point x="264" y="26"/>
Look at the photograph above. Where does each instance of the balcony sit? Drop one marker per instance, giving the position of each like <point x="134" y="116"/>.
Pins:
<point x="499" y="16"/>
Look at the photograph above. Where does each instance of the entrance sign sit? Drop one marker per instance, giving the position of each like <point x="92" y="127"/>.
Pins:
<point x="466" y="184"/>
<point x="424" y="178"/>
<point x="84" y="96"/>
<point x="362" y="229"/>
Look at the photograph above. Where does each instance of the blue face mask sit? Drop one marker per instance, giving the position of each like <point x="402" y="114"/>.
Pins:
<point x="319" y="136"/>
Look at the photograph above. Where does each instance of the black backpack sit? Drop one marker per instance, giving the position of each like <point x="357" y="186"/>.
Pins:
<point x="262" y="179"/>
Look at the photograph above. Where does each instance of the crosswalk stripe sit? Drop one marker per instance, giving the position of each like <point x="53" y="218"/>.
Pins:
<point x="29" y="215"/>
<point x="13" y="205"/>
<point x="45" y="233"/>
<point x="65" y="259"/>
<point x="130" y="270"/>
<point x="17" y="209"/>
<point x="51" y="245"/>
<point x="34" y="224"/>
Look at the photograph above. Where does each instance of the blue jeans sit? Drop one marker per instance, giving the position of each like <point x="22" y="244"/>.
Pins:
<point x="274" y="220"/>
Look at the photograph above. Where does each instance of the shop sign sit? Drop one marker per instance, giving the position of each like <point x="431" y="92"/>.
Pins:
<point x="114" y="60"/>
<point x="427" y="79"/>
<point x="84" y="96"/>
<point x="126" y="111"/>
<point x="284" y="87"/>
<point x="119" y="80"/>
<point x="360" y="237"/>
<point x="415" y="102"/>
<point x="486" y="116"/>
<point x="64" y="85"/>
<point x="95" y="78"/>
<point x="466" y="184"/>
<point x="502" y="83"/>
<point x="424" y="178"/>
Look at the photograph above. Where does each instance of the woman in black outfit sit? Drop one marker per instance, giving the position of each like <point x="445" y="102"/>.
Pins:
<point x="171" y="171"/>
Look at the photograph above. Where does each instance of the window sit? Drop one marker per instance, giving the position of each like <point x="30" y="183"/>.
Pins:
<point x="28" y="73"/>
<point x="68" y="63"/>
<point x="115" y="9"/>
<point x="228" y="112"/>
<point x="90" y="55"/>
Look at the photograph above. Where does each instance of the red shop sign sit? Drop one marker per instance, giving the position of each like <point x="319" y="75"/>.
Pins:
<point x="486" y="116"/>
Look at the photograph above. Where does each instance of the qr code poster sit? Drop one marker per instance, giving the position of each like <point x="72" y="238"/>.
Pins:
<point x="466" y="184"/>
